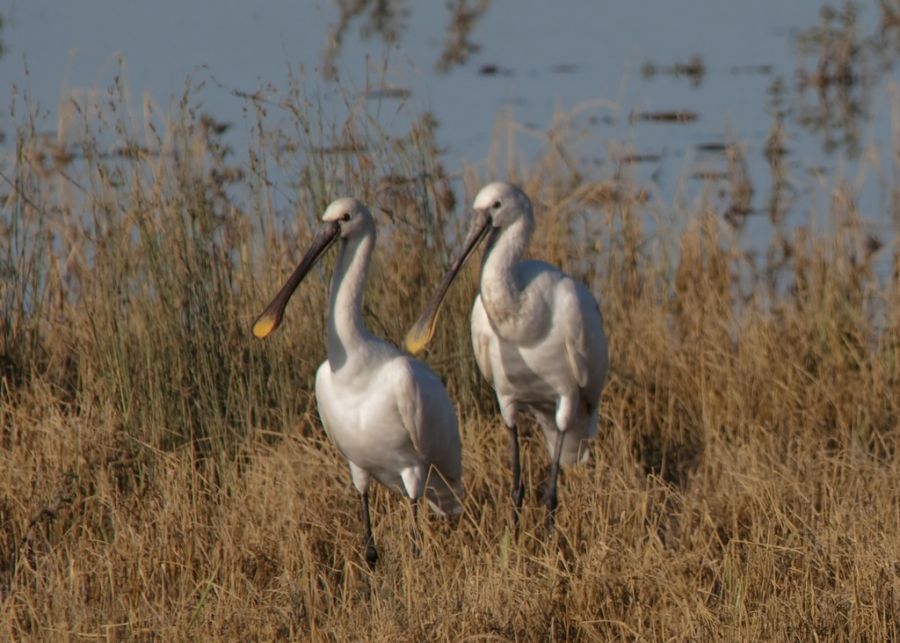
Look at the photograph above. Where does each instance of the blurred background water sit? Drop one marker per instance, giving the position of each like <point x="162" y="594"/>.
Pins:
<point x="756" y="108"/>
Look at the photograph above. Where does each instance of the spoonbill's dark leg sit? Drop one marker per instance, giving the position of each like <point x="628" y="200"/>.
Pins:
<point x="415" y="537"/>
<point x="550" y="498"/>
<point x="518" y="485"/>
<point x="371" y="552"/>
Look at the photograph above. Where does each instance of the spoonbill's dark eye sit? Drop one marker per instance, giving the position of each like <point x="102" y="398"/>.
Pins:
<point x="496" y="205"/>
<point x="346" y="217"/>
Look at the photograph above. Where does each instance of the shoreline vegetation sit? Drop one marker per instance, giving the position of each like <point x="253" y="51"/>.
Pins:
<point x="165" y="474"/>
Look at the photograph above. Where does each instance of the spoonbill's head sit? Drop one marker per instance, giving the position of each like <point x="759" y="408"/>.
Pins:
<point x="502" y="203"/>
<point x="352" y="216"/>
<point x="497" y="206"/>
<point x="345" y="218"/>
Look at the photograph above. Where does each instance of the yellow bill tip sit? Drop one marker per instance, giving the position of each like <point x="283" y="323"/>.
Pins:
<point x="419" y="335"/>
<point x="264" y="325"/>
<point x="415" y="344"/>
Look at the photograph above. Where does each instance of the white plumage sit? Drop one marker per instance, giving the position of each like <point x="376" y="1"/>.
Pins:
<point x="386" y="412"/>
<point x="559" y="376"/>
<point x="537" y="335"/>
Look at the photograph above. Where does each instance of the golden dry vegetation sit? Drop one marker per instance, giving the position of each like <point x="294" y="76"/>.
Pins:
<point x="164" y="474"/>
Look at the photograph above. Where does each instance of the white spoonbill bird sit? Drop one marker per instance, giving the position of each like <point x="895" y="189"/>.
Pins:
<point x="537" y="334"/>
<point x="386" y="412"/>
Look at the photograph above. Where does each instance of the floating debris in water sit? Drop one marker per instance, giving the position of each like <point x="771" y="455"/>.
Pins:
<point x="385" y="92"/>
<point x="564" y="68"/>
<point x="762" y="70"/>
<point x="773" y="150"/>
<point x="630" y="159"/>
<point x="491" y="69"/>
<point x="606" y="119"/>
<point x="709" y="175"/>
<point x="695" y="69"/>
<point x="670" y="116"/>
<point x="713" y="148"/>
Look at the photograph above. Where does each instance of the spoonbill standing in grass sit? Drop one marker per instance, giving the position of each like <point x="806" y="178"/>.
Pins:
<point x="386" y="412"/>
<point x="537" y="334"/>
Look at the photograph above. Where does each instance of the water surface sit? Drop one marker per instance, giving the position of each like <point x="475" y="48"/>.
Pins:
<point x="684" y="95"/>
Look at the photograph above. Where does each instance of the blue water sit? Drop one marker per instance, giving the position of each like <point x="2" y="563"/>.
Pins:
<point x="550" y="57"/>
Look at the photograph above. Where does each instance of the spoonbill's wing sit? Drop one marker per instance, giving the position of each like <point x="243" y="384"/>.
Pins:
<point x="418" y="394"/>
<point x="569" y="307"/>
<point x="481" y="340"/>
<point x="427" y="415"/>
<point x="409" y="403"/>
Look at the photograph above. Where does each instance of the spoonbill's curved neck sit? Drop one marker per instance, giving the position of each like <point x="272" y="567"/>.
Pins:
<point x="499" y="286"/>
<point x="346" y="331"/>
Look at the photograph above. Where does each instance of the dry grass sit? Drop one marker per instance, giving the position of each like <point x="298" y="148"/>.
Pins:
<point x="164" y="474"/>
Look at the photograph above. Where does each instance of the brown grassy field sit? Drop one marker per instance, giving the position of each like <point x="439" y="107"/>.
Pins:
<point x="164" y="474"/>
